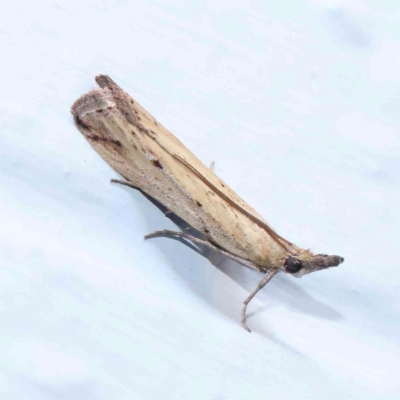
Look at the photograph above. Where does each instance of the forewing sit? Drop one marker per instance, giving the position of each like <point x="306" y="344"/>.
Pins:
<point x="139" y="148"/>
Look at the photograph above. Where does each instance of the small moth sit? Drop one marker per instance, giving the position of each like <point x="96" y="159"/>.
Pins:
<point x="154" y="161"/>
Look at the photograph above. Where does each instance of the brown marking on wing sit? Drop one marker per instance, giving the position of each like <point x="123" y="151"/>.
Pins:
<point x="157" y="164"/>
<point x="101" y="110"/>
<point x="81" y="124"/>
<point x="96" y="138"/>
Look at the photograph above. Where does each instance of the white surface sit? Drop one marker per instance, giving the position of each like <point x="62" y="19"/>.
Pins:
<point x="298" y="104"/>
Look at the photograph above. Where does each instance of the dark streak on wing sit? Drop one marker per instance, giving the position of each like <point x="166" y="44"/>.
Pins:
<point x="96" y="138"/>
<point x="80" y="123"/>
<point x="278" y="239"/>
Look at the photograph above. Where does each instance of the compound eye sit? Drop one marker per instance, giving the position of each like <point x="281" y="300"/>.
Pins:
<point x="292" y="265"/>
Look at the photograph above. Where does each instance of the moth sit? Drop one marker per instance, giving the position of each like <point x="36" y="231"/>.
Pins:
<point x="153" y="160"/>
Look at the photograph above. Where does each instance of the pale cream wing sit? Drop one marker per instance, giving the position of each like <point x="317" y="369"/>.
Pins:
<point x="138" y="147"/>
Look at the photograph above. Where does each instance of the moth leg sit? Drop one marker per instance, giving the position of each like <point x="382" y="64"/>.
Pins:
<point x="194" y="239"/>
<point x="260" y="285"/>
<point x="125" y="183"/>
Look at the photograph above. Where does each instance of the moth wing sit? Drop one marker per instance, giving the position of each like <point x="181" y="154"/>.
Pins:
<point x="139" y="148"/>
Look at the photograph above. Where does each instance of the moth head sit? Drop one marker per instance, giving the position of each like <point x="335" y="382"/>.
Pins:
<point x="308" y="262"/>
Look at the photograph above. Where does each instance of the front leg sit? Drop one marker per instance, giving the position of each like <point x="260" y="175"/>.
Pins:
<point x="261" y="284"/>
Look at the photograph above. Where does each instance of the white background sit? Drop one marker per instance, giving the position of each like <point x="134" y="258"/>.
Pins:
<point x="297" y="102"/>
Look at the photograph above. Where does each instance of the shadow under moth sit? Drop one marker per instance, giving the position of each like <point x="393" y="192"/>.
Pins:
<point x="154" y="161"/>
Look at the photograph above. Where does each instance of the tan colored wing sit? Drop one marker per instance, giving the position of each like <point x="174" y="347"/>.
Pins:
<point x="138" y="147"/>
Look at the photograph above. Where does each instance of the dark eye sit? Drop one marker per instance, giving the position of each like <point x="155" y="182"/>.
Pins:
<point x="292" y="265"/>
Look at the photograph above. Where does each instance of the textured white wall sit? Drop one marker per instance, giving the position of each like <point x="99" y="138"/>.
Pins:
<point x="297" y="102"/>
